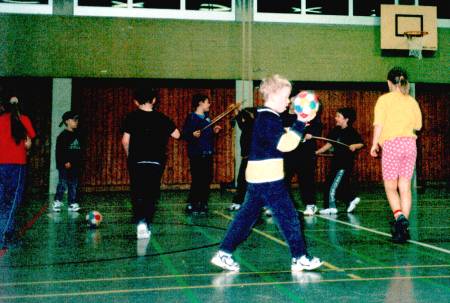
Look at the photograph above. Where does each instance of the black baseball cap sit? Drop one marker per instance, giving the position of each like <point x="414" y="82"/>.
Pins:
<point x="68" y="115"/>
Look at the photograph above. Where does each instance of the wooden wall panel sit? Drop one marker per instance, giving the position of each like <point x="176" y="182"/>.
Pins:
<point x="103" y="106"/>
<point x="433" y="141"/>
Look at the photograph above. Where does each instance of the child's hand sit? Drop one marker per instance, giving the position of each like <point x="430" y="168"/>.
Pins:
<point x="306" y="119"/>
<point x="68" y="165"/>
<point x="374" y="150"/>
<point x="308" y="137"/>
<point x="27" y="143"/>
<point x="352" y="147"/>
<point x="197" y="133"/>
<point x="217" y="129"/>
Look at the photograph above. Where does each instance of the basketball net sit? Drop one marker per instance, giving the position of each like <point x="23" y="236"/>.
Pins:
<point x="415" y="43"/>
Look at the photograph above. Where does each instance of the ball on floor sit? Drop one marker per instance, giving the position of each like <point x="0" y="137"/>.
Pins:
<point x="94" y="218"/>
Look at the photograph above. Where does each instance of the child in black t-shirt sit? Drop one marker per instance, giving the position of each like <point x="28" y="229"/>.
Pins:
<point x="68" y="163"/>
<point x="245" y="119"/>
<point x="302" y="161"/>
<point x="145" y="136"/>
<point x="338" y="181"/>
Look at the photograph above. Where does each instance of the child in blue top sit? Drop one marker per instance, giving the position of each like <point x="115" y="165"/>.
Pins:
<point x="200" y="152"/>
<point x="265" y="178"/>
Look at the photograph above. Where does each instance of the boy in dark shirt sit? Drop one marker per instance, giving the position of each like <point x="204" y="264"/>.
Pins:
<point x="302" y="161"/>
<point x="68" y="162"/>
<point x="338" y="181"/>
<point x="145" y="136"/>
<point x="245" y="119"/>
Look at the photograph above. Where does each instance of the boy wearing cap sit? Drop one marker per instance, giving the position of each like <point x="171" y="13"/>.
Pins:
<point x="68" y="162"/>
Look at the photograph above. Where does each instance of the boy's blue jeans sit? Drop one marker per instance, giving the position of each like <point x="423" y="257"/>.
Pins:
<point x="68" y="178"/>
<point x="12" y="183"/>
<point x="275" y="196"/>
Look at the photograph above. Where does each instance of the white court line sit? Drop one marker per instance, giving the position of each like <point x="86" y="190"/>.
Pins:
<point x="385" y="234"/>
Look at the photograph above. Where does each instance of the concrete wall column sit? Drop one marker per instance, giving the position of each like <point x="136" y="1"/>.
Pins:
<point x="61" y="102"/>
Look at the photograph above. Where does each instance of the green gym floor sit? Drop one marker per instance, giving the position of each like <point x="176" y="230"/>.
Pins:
<point x="58" y="259"/>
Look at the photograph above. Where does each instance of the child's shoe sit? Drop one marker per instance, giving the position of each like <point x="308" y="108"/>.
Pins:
<point x="73" y="207"/>
<point x="310" y="210"/>
<point x="399" y="230"/>
<point x="225" y="260"/>
<point x="267" y="212"/>
<point x="328" y="211"/>
<point x="57" y="206"/>
<point x="142" y="231"/>
<point x="234" y="206"/>
<point x="305" y="262"/>
<point x="352" y="205"/>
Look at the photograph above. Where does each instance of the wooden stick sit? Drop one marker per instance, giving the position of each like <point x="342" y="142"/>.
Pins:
<point x="334" y="141"/>
<point x="219" y="117"/>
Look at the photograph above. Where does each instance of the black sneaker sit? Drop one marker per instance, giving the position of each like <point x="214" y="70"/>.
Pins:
<point x="399" y="230"/>
<point x="203" y="209"/>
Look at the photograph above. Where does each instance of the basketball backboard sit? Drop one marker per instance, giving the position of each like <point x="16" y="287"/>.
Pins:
<point x="395" y="20"/>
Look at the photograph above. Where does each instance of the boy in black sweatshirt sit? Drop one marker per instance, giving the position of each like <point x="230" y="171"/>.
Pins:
<point x="68" y="163"/>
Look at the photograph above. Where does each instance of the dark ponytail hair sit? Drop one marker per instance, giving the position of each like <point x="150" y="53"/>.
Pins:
<point x="399" y="77"/>
<point x="18" y="131"/>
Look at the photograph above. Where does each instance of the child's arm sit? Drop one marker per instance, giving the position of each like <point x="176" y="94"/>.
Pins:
<point x="356" y="146"/>
<point x="358" y="142"/>
<point x="126" y="142"/>
<point x="324" y="148"/>
<point x="291" y="138"/>
<point x="376" y="136"/>
<point x="189" y="131"/>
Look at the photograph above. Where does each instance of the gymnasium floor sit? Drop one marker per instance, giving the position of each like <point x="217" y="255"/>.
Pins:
<point x="58" y="259"/>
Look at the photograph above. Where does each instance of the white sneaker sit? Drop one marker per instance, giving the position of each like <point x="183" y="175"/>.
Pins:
<point x="73" y="207"/>
<point x="142" y="231"/>
<point x="310" y="210"/>
<point x="305" y="263"/>
<point x="234" y="206"/>
<point x="57" y="206"/>
<point x="328" y="211"/>
<point x="352" y="205"/>
<point x="224" y="260"/>
<point x="267" y="212"/>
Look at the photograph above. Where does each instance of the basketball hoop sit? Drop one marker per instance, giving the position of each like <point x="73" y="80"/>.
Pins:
<point x="415" y="42"/>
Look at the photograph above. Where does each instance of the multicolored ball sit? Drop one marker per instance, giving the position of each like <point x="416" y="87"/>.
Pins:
<point x="306" y="103"/>
<point x="94" y="218"/>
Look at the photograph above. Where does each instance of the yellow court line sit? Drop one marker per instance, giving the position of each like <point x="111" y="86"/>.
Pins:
<point x="213" y="274"/>
<point x="210" y="286"/>
<point x="326" y="264"/>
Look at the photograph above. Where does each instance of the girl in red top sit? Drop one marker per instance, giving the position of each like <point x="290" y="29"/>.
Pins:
<point x="16" y="132"/>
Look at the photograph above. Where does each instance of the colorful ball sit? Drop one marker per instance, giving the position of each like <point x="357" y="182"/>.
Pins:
<point x="306" y="103"/>
<point x="94" y="218"/>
